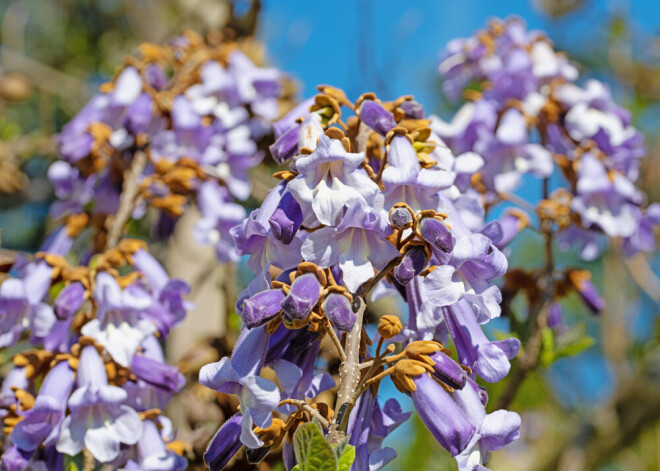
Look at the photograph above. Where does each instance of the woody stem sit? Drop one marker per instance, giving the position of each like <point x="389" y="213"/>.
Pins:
<point x="349" y="373"/>
<point x="130" y="191"/>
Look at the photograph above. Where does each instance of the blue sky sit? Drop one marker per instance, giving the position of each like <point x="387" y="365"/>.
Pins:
<point x="391" y="46"/>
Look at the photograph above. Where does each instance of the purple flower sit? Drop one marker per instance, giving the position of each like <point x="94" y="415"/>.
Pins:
<point x="330" y="179"/>
<point x="448" y="371"/>
<point x="21" y="304"/>
<point x="376" y="117"/>
<point x="219" y="215"/>
<point x="262" y="307"/>
<point x="503" y="230"/>
<point x="224" y="444"/>
<point x="119" y="325"/>
<point x="606" y="200"/>
<point x="441" y="415"/>
<point x="490" y="360"/>
<point x="493" y="431"/>
<point x="295" y="374"/>
<point x="287" y="131"/>
<point x="41" y="423"/>
<point x="509" y="155"/>
<point x="69" y="300"/>
<point x="474" y="262"/>
<point x="338" y="310"/>
<point x="99" y="421"/>
<point x="157" y="373"/>
<point x="286" y="219"/>
<point x="15" y="460"/>
<point x="239" y="375"/>
<point x="368" y="426"/>
<point x="405" y="180"/>
<point x="152" y="453"/>
<point x="357" y="244"/>
<point x="581" y="280"/>
<point x="302" y="297"/>
<point x="254" y="237"/>
<point x="413" y="262"/>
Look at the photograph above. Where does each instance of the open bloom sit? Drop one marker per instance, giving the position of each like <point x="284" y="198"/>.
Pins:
<point x="493" y="431"/>
<point x="474" y="262"/>
<point x="120" y="326"/>
<point x="357" y="244"/>
<point x="99" y="419"/>
<point x="490" y="360"/>
<point x="331" y="179"/>
<point x="240" y="375"/>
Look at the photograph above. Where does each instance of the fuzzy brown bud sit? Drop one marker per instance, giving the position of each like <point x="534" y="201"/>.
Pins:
<point x="389" y="326"/>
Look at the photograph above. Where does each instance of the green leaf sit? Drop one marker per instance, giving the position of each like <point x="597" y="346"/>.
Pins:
<point x="72" y="466"/>
<point x="340" y="447"/>
<point x="576" y="347"/>
<point x="548" y="347"/>
<point x="296" y="468"/>
<point x="345" y="458"/>
<point x="573" y="341"/>
<point x="312" y="450"/>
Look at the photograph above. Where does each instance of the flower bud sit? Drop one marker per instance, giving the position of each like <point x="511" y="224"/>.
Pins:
<point x="225" y="444"/>
<point x="505" y="229"/>
<point x="156" y="373"/>
<point x="303" y="296"/>
<point x="376" y="117"/>
<point x="389" y="326"/>
<point x="437" y="234"/>
<point x="414" y="261"/>
<point x="401" y="217"/>
<point x="262" y="307"/>
<point x="556" y="318"/>
<point x="285" y="146"/>
<point x="337" y="309"/>
<point x="286" y="219"/>
<point x="581" y="280"/>
<point x="412" y="109"/>
<point x="69" y="300"/>
<point x="448" y="371"/>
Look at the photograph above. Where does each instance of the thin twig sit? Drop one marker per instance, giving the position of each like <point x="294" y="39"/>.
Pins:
<point x="349" y="371"/>
<point x="640" y="271"/>
<point x="528" y="360"/>
<point x="368" y="285"/>
<point x="72" y="89"/>
<point x="88" y="460"/>
<point x="515" y="199"/>
<point x="333" y="336"/>
<point x="307" y="408"/>
<point x="115" y="225"/>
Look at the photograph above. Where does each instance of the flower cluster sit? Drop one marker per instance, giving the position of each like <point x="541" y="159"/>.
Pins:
<point x="373" y="204"/>
<point x="526" y="114"/>
<point x="196" y="113"/>
<point x="95" y="378"/>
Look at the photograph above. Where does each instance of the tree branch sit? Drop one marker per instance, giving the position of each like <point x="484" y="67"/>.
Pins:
<point x="349" y="374"/>
<point x="115" y="225"/>
<point x="528" y="360"/>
